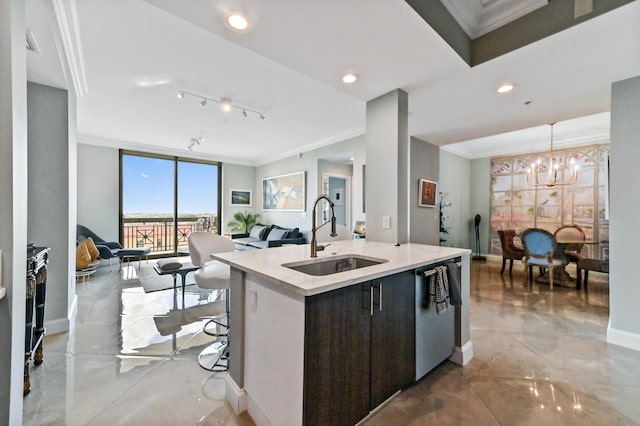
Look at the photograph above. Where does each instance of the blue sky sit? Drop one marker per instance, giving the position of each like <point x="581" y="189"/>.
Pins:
<point x="148" y="186"/>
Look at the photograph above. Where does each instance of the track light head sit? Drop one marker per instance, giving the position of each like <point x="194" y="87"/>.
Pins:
<point x="226" y="104"/>
<point x="180" y="95"/>
<point x="244" y="113"/>
<point x="262" y="117"/>
<point x="203" y="102"/>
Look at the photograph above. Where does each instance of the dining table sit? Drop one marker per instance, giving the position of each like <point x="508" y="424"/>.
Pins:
<point x="560" y="275"/>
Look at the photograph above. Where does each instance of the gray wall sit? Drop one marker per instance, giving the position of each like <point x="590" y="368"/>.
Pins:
<point x="424" y="163"/>
<point x="479" y="204"/>
<point x="51" y="204"/>
<point x="309" y="162"/>
<point x="98" y="190"/>
<point x="455" y="181"/>
<point x="625" y="203"/>
<point x="337" y="172"/>
<point x="236" y="177"/>
<point x="98" y="209"/>
<point x="13" y="206"/>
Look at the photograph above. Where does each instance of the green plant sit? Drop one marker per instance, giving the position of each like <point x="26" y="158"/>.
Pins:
<point x="243" y="222"/>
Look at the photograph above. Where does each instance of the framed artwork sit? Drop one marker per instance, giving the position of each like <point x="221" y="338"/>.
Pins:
<point x="285" y="192"/>
<point x="427" y="196"/>
<point x="240" y="197"/>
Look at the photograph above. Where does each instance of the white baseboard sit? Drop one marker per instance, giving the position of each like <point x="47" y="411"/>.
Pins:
<point x="60" y="325"/>
<point x="462" y="355"/>
<point x="623" y="338"/>
<point x="235" y="396"/>
<point x="257" y="415"/>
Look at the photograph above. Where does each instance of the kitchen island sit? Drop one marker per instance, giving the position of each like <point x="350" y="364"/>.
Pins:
<point x="313" y="349"/>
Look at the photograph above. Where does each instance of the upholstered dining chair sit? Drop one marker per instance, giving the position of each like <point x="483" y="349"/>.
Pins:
<point x="571" y="251"/>
<point x="213" y="275"/>
<point x="539" y="250"/>
<point x="509" y="250"/>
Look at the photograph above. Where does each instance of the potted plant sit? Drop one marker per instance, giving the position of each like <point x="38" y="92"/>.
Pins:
<point x="243" y="221"/>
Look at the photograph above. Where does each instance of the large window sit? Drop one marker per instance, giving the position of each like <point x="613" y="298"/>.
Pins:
<point x="517" y="205"/>
<point x="163" y="199"/>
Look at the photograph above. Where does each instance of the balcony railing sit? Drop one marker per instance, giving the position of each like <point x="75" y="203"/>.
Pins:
<point x="157" y="233"/>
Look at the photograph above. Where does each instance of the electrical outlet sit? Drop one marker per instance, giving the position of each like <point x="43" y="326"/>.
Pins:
<point x="386" y="222"/>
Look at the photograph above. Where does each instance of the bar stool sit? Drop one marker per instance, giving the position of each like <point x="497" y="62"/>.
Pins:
<point x="213" y="275"/>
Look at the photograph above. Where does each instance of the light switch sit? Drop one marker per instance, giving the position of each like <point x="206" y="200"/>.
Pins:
<point x="386" y="222"/>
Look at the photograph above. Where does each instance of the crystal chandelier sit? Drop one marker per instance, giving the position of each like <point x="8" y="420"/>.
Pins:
<point x="552" y="169"/>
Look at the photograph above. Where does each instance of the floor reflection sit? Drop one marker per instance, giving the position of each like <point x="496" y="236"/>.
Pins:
<point x="540" y="356"/>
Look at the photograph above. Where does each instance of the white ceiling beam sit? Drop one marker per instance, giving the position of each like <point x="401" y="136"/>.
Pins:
<point x="67" y="20"/>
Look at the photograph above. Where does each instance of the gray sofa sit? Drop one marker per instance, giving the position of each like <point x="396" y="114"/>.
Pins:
<point x="264" y="236"/>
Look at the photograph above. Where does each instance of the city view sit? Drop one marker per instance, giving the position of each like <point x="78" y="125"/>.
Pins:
<point x="148" y="200"/>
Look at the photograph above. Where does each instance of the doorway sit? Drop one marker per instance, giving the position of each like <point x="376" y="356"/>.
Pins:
<point x="338" y="188"/>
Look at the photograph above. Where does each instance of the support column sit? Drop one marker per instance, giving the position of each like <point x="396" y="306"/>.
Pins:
<point x="387" y="168"/>
<point x="624" y="319"/>
<point x="13" y="205"/>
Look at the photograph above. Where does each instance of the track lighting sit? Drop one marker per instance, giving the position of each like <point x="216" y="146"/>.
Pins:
<point x="195" y="141"/>
<point x="226" y="103"/>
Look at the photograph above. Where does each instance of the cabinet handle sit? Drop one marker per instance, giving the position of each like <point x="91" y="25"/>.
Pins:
<point x="371" y="301"/>
<point x="380" y="296"/>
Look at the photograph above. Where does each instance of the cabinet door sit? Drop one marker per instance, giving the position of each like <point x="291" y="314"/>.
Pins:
<point x="337" y="350"/>
<point x="393" y="360"/>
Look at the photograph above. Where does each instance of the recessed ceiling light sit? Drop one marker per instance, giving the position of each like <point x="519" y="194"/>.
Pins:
<point x="350" y="78"/>
<point x="238" y="21"/>
<point x="505" y="88"/>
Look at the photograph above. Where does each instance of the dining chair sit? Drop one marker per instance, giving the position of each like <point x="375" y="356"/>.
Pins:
<point x="509" y="250"/>
<point x="213" y="275"/>
<point x="568" y="245"/>
<point x="540" y="248"/>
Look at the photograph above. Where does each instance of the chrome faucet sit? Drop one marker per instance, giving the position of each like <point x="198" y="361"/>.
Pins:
<point x="315" y="247"/>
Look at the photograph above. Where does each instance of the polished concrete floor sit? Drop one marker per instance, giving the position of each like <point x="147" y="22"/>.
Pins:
<point x="540" y="357"/>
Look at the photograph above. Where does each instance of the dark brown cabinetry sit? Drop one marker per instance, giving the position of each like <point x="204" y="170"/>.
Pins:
<point x="359" y="348"/>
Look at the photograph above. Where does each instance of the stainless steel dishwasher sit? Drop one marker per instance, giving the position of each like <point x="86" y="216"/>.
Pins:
<point x="435" y="333"/>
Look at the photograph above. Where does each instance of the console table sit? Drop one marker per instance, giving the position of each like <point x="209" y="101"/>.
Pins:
<point x="37" y="260"/>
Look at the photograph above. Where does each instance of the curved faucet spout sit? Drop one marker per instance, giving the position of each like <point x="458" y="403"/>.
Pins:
<point x="315" y="248"/>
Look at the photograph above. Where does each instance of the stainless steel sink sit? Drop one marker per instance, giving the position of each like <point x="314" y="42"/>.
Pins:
<point x="334" y="264"/>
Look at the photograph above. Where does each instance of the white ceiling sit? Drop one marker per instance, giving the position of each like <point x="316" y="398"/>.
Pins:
<point x="289" y="64"/>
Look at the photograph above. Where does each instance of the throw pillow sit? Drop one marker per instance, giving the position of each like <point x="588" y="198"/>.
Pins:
<point x="277" y="234"/>
<point x="257" y="231"/>
<point x="93" y="250"/>
<point x="293" y="233"/>
<point x="83" y="258"/>
<point x="169" y="264"/>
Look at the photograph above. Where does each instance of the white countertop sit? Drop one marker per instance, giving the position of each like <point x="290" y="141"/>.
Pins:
<point x="267" y="263"/>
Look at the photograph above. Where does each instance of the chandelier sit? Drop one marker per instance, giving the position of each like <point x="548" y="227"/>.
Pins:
<point x="552" y="169"/>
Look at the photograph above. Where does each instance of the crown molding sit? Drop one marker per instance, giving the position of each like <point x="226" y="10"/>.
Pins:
<point x="67" y="19"/>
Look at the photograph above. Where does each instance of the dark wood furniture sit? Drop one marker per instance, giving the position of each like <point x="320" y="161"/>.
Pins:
<point x="37" y="260"/>
<point x="587" y="265"/>
<point x="359" y="348"/>
<point x="509" y="250"/>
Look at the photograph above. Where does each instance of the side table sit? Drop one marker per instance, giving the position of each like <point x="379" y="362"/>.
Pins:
<point x="182" y="271"/>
